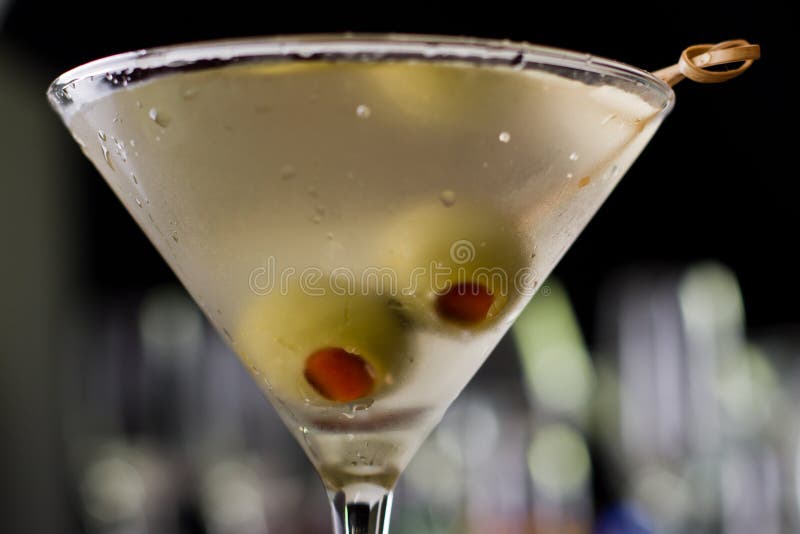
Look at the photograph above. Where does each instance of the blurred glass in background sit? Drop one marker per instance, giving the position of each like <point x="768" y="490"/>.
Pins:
<point x="123" y="412"/>
<point x="676" y="423"/>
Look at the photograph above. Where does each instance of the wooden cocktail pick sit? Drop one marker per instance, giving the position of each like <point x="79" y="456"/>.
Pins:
<point x="696" y="60"/>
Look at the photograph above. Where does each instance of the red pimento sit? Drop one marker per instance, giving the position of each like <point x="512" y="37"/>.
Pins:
<point x="339" y="375"/>
<point x="465" y="303"/>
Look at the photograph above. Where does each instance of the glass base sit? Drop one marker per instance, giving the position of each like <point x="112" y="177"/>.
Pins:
<point x="361" y="509"/>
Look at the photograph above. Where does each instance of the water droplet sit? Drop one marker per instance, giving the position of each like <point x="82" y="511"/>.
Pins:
<point x="107" y="157"/>
<point x="101" y="134"/>
<point x="190" y="93"/>
<point x="117" y="119"/>
<point x="288" y="172"/>
<point x="363" y="405"/>
<point x="329" y="235"/>
<point x="80" y="142"/>
<point x="158" y="117"/>
<point x="174" y="236"/>
<point x="504" y="137"/>
<point x="611" y="173"/>
<point x="574" y="156"/>
<point x="363" y="112"/>
<point x="132" y="143"/>
<point x="570" y="176"/>
<point x="608" y="119"/>
<point x="448" y="197"/>
<point x="138" y="202"/>
<point x="319" y="215"/>
<point x="485" y="165"/>
<point x="139" y="104"/>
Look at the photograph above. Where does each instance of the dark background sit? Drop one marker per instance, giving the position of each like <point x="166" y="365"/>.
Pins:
<point x="718" y="180"/>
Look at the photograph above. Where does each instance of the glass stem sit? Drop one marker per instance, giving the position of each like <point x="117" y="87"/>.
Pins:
<point x="361" y="509"/>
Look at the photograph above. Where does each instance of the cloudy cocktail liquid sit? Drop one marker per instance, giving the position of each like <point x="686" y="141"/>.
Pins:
<point x="362" y="233"/>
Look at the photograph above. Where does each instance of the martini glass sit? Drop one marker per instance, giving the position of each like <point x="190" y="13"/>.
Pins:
<point x="361" y="217"/>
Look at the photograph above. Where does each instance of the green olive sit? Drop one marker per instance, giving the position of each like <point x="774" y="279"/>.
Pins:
<point x="455" y="263"/>
<point x="278" y="335"/>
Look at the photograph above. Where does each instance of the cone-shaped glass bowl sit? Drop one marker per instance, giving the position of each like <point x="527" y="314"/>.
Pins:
<point x="362" y="217"/>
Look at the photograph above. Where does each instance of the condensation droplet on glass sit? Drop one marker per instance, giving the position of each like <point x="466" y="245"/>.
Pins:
<point x="363" y="112"/>
<point x="319" y="209"/>
<point x="316" y="218"/>
<point x="101" y="135"/>
<point x="518" y="63"/>
<point x="174" y="236"/>
<point x="574" y="156"/>
<point x="363" y="405"/>
<point x="329" y="235"/>
<point x="190" y="93"/>
<point x="570" y="176"/>
<point x="117" y="119"/>
<point x="448" y="197"/>
<point x="158" y="117"/>
<point x="288" y="172"/>
<point x="608" y="119"/>
<point x="138" y="202"/>
<point x="132" y="143"/>
<point x="227" y="334"/>
<point x="504" y="137"/>
<point x="107" y="157"/>
<point x="80" y="142"/>
<point x="611" y="173"/>
<point x="139" y="104"/>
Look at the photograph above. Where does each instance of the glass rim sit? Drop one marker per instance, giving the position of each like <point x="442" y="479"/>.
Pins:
<point x="121" y="70"/>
